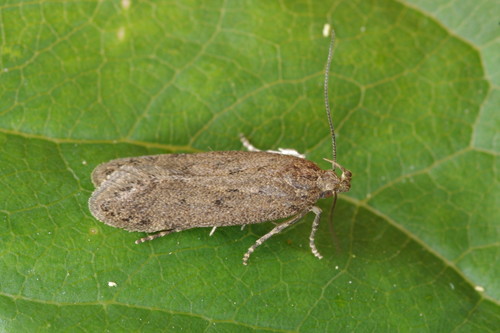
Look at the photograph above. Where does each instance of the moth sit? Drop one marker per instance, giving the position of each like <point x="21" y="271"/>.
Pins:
<point x="162" y="194"/>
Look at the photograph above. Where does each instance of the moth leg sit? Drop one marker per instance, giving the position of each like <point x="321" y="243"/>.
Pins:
<point x="315" y="225"/>
<point x="247" y="144"/>
<point x="154" y="236"/>
<point x="274" y="231"/>
<point x="282" y="151"/>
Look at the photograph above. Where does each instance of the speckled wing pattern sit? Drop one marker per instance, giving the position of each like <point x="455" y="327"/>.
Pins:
<point x="183" y="191"/>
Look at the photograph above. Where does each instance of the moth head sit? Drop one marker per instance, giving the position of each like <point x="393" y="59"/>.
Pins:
<point x="331" y="182"/>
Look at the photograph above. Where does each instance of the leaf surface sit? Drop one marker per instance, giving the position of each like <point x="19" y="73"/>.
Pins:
<point x="414" y="89"/>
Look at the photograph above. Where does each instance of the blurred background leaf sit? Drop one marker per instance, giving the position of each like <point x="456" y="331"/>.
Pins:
<point x="414" y="89"/>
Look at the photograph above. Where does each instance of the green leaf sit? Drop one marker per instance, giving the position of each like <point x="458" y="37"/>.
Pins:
<point x="414" y="89"/>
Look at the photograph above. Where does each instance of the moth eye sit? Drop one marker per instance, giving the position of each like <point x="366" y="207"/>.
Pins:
<point x="326" y="194"/>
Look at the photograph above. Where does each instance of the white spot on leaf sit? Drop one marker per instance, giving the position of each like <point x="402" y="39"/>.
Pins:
<point x="125" y="4"/>
<point x="326" y="30"/>
<point x="121" y="33"/>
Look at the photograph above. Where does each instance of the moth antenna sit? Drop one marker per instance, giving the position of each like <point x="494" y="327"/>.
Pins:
<point x="327" y="103"/>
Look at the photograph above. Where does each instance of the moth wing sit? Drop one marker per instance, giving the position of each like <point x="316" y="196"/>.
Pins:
<point x="151" y="198"/>
<point x="118" y="202"/>
<point x="220" y="163"/>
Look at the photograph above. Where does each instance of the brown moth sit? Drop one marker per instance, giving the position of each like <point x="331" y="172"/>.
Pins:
<point x="168" y="193"/>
